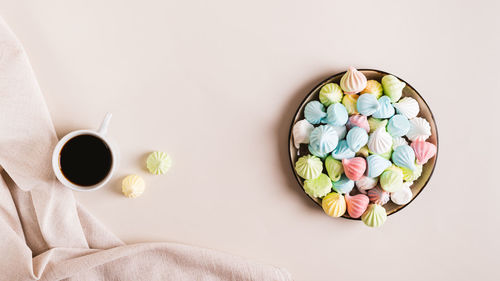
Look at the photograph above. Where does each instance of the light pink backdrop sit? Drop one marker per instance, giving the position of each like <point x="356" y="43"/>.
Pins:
<point x="215" y="84"/>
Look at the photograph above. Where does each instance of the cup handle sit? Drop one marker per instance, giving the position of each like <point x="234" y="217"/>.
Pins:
<point x="104" y="125"/>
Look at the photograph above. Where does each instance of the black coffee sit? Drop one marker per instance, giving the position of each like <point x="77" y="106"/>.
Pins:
<point x="85" y="160"/>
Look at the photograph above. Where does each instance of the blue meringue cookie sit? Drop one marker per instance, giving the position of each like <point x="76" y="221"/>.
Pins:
<point x="376" y="165"/>
<point x="367" y="104"/>
<point x="314" y="112"/>
<point x="316" y="152"/>
<point x="386" y="110"/>
<point x="398" y="125"/>
<point x="343" y="151"/>
<point x="404" y="157"/>
<point x="356" y="138"/>
<point x="344" y="185"/>
<point x="341" y="131"/>
<point x="323" y="139"/>
<point x="336" y="115"/>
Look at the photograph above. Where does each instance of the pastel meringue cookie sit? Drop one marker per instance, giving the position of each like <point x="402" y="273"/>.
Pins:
<point x="376" y="165"/>
<point x="395" y="168"/>
<point x="301" y="131"/>
<point x="376" y="123"/>
<point x="158" y="163"/>
<point x="334" y="168"/>
<point x="419" y="129"/>
<point x="336" y="115"/>
<point x="354" y="168"/>
<point x="367" y="104"/>
<point x="341" y="131"/>
<point x="373" y="87"/>
<point x="342" y="151"/>
<point x="323" y="139"/>
<point x="398" y="141"/>
<point x="411" y="176"/>
<point x="330" y="93"/>
<point x="391" y="180"/>
<point x="364" y="151"/>
<point x="344" y="185"/>
<point x="334" y="204"/>
<point x="133" y="186"/>
<point x="402" y="196"/>
<point x="378" y="196"/>
<point x="356" y="138"/>
<point x="374" y="216"/>
<point x="423" y="151"/>
<point x="404" y="156"/>
<point x="408" y="107"/>
<point x="380" y="141"/>
<point x="356" y="205"/>
<point x="387" y="155"/>
<point x="386" y="110"/>
<point x="316" y="152"/>
<point x="398" y="125"/>
<point x="309" y="167"/>
<point x="365" y="183"/>
<point x="319" y="186"/>
<point x="353" y="81"/>
<point x="314" y="112"/>
<point x="393" y="87"/>
<point x="358" y="120"/>
<point x="350" y="102"/>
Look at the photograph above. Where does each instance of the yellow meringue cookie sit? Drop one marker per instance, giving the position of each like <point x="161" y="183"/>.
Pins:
<point x="133" y="186"/>
<point x="349" y="101"/>
<point x="373" y="87"/>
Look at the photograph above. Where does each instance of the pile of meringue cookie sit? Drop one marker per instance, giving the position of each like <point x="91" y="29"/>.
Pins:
<point x="359" y="132"/>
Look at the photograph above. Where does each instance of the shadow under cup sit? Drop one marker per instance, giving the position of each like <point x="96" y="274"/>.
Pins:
<point x="85" y="160"/>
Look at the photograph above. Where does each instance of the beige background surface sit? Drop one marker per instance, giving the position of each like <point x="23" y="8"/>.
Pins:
<point x="215" y="84"/>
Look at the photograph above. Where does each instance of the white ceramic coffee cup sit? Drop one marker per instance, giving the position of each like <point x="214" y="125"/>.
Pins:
<point x="101" y="134"/>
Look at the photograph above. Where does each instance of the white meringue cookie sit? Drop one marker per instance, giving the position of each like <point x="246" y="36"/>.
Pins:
<point x="380" y="141"/>
<point x="404" y="195"/>
<point x="419" y="129"/>
<point x="366" y="183"/>
<point x="398" y="141"/>
<point x="301" y="132"/>
<point x="408" y="107"/>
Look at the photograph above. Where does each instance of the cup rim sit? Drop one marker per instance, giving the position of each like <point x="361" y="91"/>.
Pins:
<point x="57" y="169"/>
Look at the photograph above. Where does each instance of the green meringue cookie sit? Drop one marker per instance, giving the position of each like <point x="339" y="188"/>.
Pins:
<point x="376" y="123"/>
<point x="374" y="216"/>
<point x="334" y="168"/>
<point x="394" y="168"/>
<point x="409" y="175"/>
<point x="158" y="163"/>
<point x="330" y="93"/>
<point x="391" y="180"/>
<point x="309" y="167"/>
<point x="386" y="155"/>
<point x="318" y="187"/>
<point x="393" y="88"/>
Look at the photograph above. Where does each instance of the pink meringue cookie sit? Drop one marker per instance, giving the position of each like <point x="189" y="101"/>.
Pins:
<point x="358" y="120"/>
<point x="354" y="168"/>
<point x="378" y="196"/>
<point x="356" y="205"/>
<point x="423" y="151"/>
<point x="353" y="81"/>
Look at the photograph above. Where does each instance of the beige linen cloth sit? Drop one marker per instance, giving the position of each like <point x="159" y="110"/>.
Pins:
<point x="46" y="235"/>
